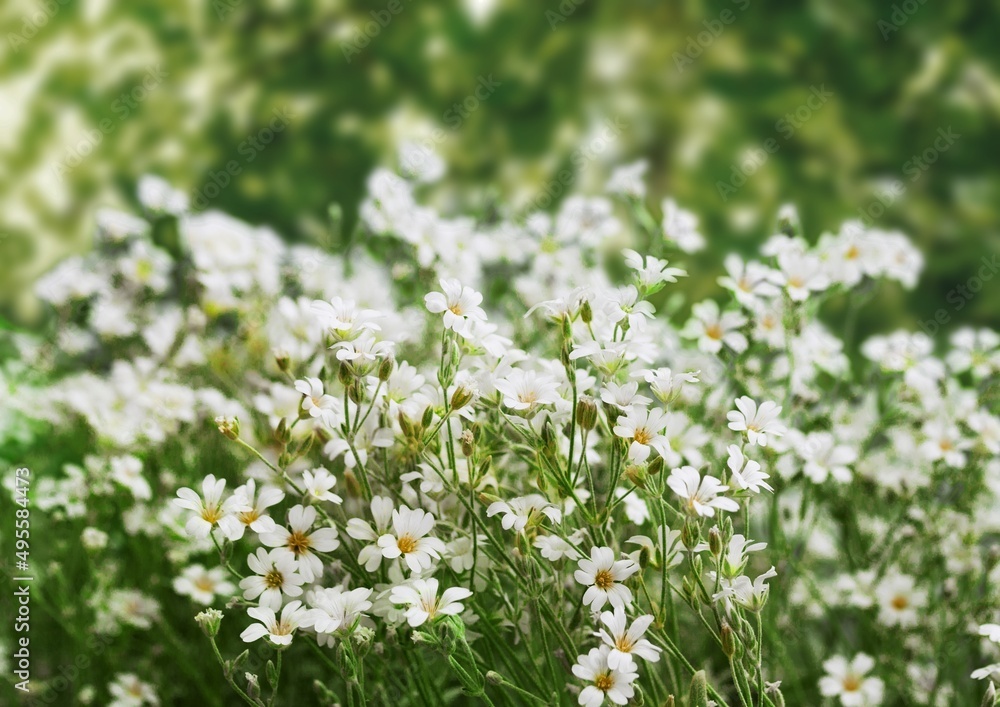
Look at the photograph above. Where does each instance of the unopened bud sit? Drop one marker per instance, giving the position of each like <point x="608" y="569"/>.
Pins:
<point x="990" y="698"/>
<point x="281" y="433"/>
<point x="643" y="557"/>
<point x="468" y="443"/>
<point x="655" y="466"/>
<point x="356" y="391"/>
<point x="345" y="373"/>
<point x="385" y="368"/>
<point x="461" y="397"/>
<point x="690" y="534"/>
<point x="586" y="413"/>
<point x="728" y="640"/>
<point x="253" y="686"/>
<point x="494" y="678"/>
<point x="586" y="313"/>
<point x="282" y="360"/>
<point x="636" y="474"/>
<point x="715" y="541"/>
<point x="698" y="692"/>
<point x="427" y="418"/>
<point x="670" y="701"/>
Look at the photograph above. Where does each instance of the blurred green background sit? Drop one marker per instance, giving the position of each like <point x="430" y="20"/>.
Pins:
<point x="698" y="86"/>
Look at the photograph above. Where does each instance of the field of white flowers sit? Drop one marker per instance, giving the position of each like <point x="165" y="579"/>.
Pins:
<point x="495" y="460"/>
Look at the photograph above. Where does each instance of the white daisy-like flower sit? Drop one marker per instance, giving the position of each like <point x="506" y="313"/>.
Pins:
<point x="745" y="473"/>
<point x="700" y="494"/>
<point x="127" y="471"/>
<point x="651" y="272"/>
<point x="315" y="402"/>
<point x="944" y="442"/>
<point x="371" y="554"/>
<point x="713" y="328"/>
<point x="665" y="384"/>
<point x="681" y="227"/>
<point x="899" y="600"/>
<point x="623" y="396"/>
<point x="337" y="609"/>
<point x="274" y="575"/>
<point x="518" y="511"/>
<point x="255" y="517"/>
<point x="553" y="548"/>
<point x="645" y="429"/>
<point x="318" y="483"/>
<point x="128" y="690"/>
<point x="209" y="508"/>
<point x="629" y="180"/>
<point x="626" y="640"/>
<point x="603" y="577"/>
<point x="420" y="596"/>
<point x="802" y="274"/>
<point x="848" y="681"/>
<point x="202" y="585"/>
<point x="343" y="319"/>
<point x="410" y="541"/>
<point x="526" y="390"/>
<point x="604" y="681"/>
<point x="297" y="542"/>
<point x="458" y="304"/>
<point x="991" y="632"/>
<point x="750" y="595"/>
<point x="750" y="282"/>
<point x="757" y="422"/>
<point x="278" y="629"/>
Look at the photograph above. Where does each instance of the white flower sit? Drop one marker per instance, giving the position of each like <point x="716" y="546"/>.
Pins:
<point x="745" y="473"/>
<point x="318" y="483"/>
<point x="274" y="575"/>
<point x="750" y="595"/>
<point x="296" y="541"/>
<point x="202" y="585"/>
<point x="517" y="511"/>
<point x="603" y="577"/>
<point x="315" y="402"/>
<point x="712" y="329"/>
<point x="128" y="690"/>
<point x="701" y="494"/>
<point x="371" y="554"/>
<point x="991" y="632"/>
<point x="127" y="471"/>
<point x="605" y="681"/>
<point x="629" y="180"/>
<point x="750" y="282"/>
<point x="553" y="548"/>
<point x="623" y="396"/>
<point x="278" y="630"/>
<point x="460" y="306"/>
<point x="627" y="641"/>
<point x="735" y="558"/>
<point x="847" y="681"/>
<point x="651" y="272"/>
<point x="824" y="457"/>
<point x="343" y="320"/>
<point x="900" y="602"/>
<point x="802" y="274"/>
<point x="525" y="390"/>
<point x="408" y="539"/>
<point x="254" y="517"/>
<point x="363" y="351"/>
<point x="756" y="422"/>
<point x="665" y="384"/>
<point x="336" y="608"/>
<point x="681" y="227"/>
<point x="645" y="429"/>
<point x="420" y="596"/>
<point x="208" y="508"/>
<point x="944" y="442"/>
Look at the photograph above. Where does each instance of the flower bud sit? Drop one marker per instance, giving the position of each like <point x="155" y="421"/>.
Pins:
<point x="586" y="413"/>
<point x="282" y="360"/>
<point x="468" y="443"/>
<point x="690" y="534"/>
<point x="462" y="396"/>
<point x="385" y="368"/>
<point x="494" y="678"/>
<point x="636" y="474"/>
<point x="428" y="417"/>
<point x="644" y="557"/>
<point x="990" y="698"/>
<point x="586" y="313"/>
<point x="209" y="620"/>
<point x="670" y="701"/>
<point x="698" y="692"/>
<point x="253" y="686"/>
<point x="728" y="640"/>
<point x="281" y="433"/>
<point x="655" y="466"/>
<point x="345" y="373"/>
<point x="715" y="541"/>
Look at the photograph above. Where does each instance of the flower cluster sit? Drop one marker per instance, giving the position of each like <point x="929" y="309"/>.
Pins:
<point x="559" y="487"/>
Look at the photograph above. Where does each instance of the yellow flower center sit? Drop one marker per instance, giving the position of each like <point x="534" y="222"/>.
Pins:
<point x="713" y="331"/>
<point x="205" y="584"/>
<point x="623" y="644"/>
<point x="603" y="682"/>
<point x="900" y="602"/>
<point x="851" y="684"/>
<point x="211" y="514"/>
<point x="603" y="580"/>
<point x="274" y="579"/>
<point x="406" y="544"/>
<point x="298" y="543"/>
<point x="248" y="517"/>
<point x="643" y="436"/>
